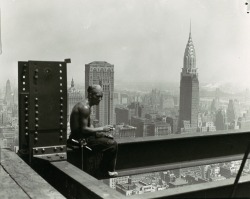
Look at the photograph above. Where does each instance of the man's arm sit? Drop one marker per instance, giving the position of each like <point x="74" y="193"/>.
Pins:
<point x="92" y="130"/>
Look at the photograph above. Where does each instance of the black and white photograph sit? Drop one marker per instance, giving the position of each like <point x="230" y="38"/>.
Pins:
<point x="131" y="99"/>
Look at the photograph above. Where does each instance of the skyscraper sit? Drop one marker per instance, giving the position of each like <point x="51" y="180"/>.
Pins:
<point x="221" y="120"/>
<point x="233" y="110"/>
<point x="8" y="98"/>
<point x="102" y="73"/>
<point x="189" y="88"/>
<point x="74" y="96"/>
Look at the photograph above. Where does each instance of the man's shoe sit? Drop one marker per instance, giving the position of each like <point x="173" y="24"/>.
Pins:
<point x="112" y="173"/>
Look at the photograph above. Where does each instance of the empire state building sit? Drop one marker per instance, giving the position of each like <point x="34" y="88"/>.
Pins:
<point x="189" y="90"/>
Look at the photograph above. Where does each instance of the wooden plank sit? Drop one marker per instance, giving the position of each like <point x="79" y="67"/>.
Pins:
<point x="33" y="184"/>
<point x="7" y="185"/>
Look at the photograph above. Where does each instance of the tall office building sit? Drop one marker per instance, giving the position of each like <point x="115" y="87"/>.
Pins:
<point x="102" y="73"/>
<point x="189" y="88"/>
<point x="215" y="104"/>
<point x="74" y="96"/>
<point x="8" y="98"/>
<point x="233" y="110"/>
<point x="220" y="120"/>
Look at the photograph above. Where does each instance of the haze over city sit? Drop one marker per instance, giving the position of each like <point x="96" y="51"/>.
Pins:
<point x="145" y="40"/>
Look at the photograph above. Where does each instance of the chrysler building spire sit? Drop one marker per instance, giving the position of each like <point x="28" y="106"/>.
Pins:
<point x="189" y="64"/>
<point x="190" y="26"/>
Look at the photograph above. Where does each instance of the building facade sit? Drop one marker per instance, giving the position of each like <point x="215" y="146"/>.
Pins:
<point x="102" y="73"/>
<point x="189" y="88"/>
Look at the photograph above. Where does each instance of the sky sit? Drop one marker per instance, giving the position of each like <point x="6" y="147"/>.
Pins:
<point x="145" y="40"/>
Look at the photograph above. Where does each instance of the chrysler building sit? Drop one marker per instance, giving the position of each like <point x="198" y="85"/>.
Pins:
<point x="189" y="90"/>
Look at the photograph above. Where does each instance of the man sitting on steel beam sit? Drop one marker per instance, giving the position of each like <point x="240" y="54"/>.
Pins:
<point x="96" y="137"/>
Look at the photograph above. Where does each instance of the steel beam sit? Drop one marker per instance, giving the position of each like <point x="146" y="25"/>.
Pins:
<point x="181" y="148"/>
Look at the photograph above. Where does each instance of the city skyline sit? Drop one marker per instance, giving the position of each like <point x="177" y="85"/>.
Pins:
<point x="155" y="103"/>
<point x="167" y="104"/>
<point x="143" y="38"/>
